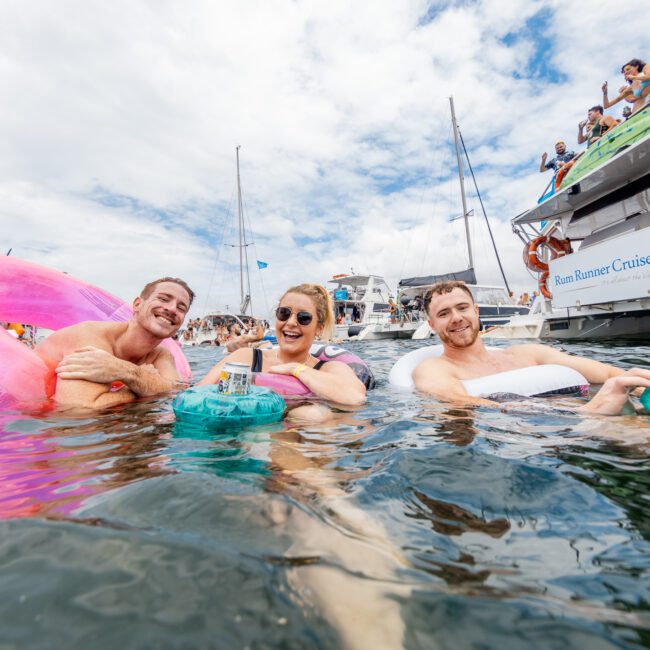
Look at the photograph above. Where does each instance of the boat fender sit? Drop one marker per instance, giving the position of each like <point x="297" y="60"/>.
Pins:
<point x="287" y="385"/>
<point x="208" y="407"/>
<point x="536" y="381"/>
<point x="46" y="298"/>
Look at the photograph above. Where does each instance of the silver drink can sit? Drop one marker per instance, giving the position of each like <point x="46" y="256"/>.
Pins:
<point x="235" y="379"/>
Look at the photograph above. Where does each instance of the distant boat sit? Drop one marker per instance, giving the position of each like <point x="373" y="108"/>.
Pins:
<point x="365" y="311"/>
<point x="208" y="331"/>
<point x="494" y="302"/>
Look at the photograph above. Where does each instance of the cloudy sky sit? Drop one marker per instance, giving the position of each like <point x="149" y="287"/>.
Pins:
<point x="120" y="118"/>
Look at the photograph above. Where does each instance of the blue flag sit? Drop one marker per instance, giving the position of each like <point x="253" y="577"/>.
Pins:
<point x="261" y="265"/>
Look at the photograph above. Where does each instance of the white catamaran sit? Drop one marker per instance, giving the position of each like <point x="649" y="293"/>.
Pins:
<point x="494" y="301"/>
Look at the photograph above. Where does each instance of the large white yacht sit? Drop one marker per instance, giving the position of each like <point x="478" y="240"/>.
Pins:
<point x="597" y="285"/>
<point x="365" y="309"/>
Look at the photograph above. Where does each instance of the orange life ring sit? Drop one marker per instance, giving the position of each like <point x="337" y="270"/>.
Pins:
<point x="339" y="275"/>
<point x="531" y="258"/>
<point x="561" y="173"/>
<point x="557" y="248"/>
<point x="543" y="288"/>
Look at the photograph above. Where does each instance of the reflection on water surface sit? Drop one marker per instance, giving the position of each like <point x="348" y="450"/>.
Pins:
<point x="405" y="523"/>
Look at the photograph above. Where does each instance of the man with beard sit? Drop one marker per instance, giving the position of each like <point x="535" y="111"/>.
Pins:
<point x="562" y="157"/>
<point x="453" y="316"/>
<point x="102" y="364"/>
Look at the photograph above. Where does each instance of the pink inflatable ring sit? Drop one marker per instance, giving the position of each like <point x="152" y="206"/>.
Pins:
<point x="287" y="385"/>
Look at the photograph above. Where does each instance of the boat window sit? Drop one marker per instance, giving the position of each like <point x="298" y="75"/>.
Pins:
<point x="489" y="295"/>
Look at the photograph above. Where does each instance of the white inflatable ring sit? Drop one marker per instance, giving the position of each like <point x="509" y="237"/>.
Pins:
<point x="535" y="381"/>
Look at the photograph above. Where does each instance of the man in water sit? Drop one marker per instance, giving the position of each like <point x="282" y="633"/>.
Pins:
<point x="90" y="357"/>
<point x="562" y="156"/>
<point x="453" y="316"/>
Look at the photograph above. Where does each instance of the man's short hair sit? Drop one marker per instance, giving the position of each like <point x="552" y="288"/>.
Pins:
<point x="440" y="288"/>
<point x="149" y="288"/>
<point x="598" y="108"/>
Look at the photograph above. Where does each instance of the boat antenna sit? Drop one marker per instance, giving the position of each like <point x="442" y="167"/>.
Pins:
<point x="462" y="183"/>
<point x="9" y="252"/>
<point x="496" y="252"/>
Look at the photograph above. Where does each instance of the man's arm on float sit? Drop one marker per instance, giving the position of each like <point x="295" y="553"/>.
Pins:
<point x="436" y="378"/>
<point x="595" y="372"/>
<point x="614" y="393"/>
<point x="73" y="392"/>
<point x="96" y="364"/>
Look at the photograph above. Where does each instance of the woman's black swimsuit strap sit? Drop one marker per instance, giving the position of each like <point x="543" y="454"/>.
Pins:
<point x="258" y="361"/>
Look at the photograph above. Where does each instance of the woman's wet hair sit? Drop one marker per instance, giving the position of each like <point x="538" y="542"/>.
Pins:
<point x="322" y="302"/>
<point x="635" y="63"/>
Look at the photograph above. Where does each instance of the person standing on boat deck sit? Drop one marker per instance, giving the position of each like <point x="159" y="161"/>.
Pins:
<point x="89" y="357"/>
<point x="601" y="124"/>
<point x="305" y="312"/>
<point x="562" y="156"/>
<point x="584" y="128"/>
<point x="637" y="90"/>
<point x="453" y="316"/>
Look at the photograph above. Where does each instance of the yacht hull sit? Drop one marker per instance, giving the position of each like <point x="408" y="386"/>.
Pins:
<point x="634" y="323"/>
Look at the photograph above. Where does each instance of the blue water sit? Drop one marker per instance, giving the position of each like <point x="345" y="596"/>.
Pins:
<point x="404" y="523"/>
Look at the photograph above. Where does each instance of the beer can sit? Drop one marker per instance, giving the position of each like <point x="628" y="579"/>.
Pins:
<point x="235" y="379"/>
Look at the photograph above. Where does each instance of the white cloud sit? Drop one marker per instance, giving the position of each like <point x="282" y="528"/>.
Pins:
<point x="329" y="101"/>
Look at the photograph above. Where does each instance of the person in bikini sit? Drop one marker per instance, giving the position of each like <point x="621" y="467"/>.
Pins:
<point x="637" y="90"/>
<point x="453" y="316"/>
<point x="90" y="357"/>
<point x="304" y="313"/>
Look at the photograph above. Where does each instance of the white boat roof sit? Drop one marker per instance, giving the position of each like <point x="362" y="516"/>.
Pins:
<point x="356" y="280"/>
<point x="625" y="167"/>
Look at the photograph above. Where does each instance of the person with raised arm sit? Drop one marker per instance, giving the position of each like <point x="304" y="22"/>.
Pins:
<point x="304" y="313"/>
<point x="637" y="88"/>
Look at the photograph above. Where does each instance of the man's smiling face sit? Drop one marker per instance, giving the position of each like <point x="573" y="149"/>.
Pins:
<point x="454" y="318"/>
<point x="163" y="311"/>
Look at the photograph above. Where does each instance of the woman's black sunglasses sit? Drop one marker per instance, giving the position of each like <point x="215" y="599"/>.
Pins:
<point x="284" y="314"/>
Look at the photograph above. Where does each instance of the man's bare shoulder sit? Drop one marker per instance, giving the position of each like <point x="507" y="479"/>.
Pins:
<point x="67" y="339"/>
<point x="437" y="365"/>
<point x="528" y="351"/>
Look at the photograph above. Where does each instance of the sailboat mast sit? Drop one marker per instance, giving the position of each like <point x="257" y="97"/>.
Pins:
<point x="462" y="183"/>
<point x="241" y="231"/>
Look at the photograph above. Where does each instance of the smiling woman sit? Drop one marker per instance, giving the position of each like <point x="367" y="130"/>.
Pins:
<point x="304" y="313"/>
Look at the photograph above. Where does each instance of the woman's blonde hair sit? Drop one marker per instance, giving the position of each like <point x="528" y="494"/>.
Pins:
<point x="324" y="309"/>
